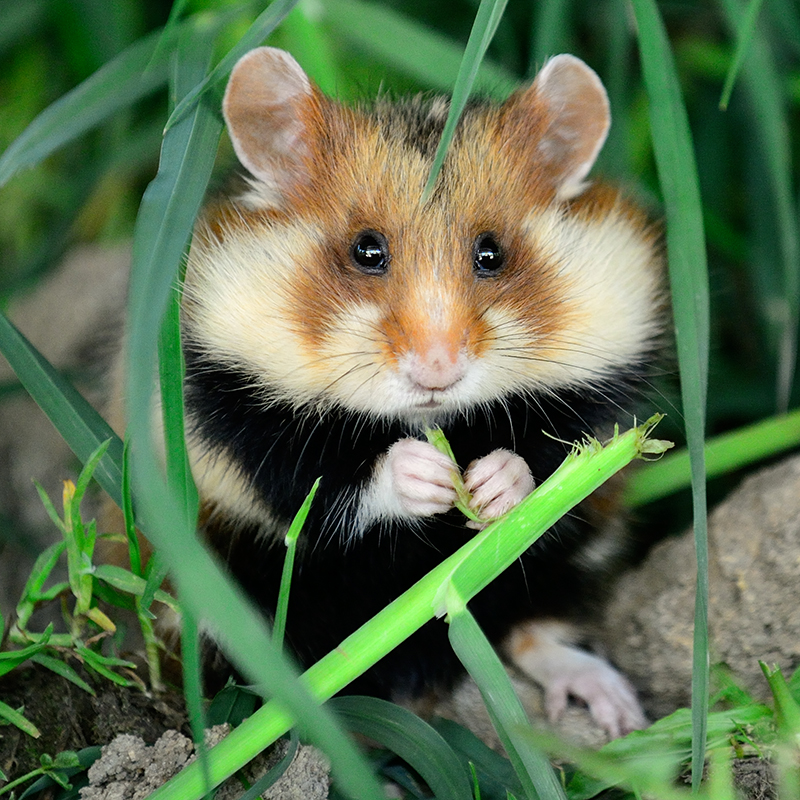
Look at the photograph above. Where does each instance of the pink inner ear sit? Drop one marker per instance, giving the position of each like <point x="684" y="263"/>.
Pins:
<point x="262" y="108"/>
<point x="579" y="120"/>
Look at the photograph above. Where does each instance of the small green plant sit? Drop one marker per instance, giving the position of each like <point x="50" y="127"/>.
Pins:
<point x="50" y="767"/>
<point x="88" y="626"/>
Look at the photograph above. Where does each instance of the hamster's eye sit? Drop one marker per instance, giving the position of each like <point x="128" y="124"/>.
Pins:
<point x="370" y="253"/>
<point x="487" y="256"/>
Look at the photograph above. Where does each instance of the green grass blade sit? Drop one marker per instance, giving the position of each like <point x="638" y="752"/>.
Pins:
<point x="688" y="271"/>
<point x="769" y="116"/>
<point x="265" y="23"/>
<point x="282" y="608"/>
<point x="81" y="427"/>
<point x="15" y="718"/>
<point x="134" y="549"/>
<point x="192" y="671"/>
<point x="118" y="84"/>
<point x="787" y="708"/>
<point x="171" y="370"/>
<point x="273" y="774"/>
<point x="430" y="57"/>
<point x="551" y="32"/>
<point x="495" y="772"/>
<point x="57" y="666"/>
<point x="724" y="454"/>
<point x="409" y="737"/>
<point x="505" y="710"/>
<point x="744" y="41"/>
<point x="304" y="37"/>
<point x="483" y="29"/>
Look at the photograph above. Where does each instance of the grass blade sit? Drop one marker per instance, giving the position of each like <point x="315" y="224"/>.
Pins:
<point x="745" y="35"/>
<point x="15" y="718"/>
<point x="483" y="29"/>
<point x="688" y="271"/>
<point x="81" y="427"/>
<point x="282" y="608"/>
<point x="413" y="740"/>
<point x="505" y="710"/>
<point x="304" y="37"/>
<point x="265" y="23"/>
<point x="724" y="454"/>
<point x="770" y="119"/>
<point x="64" y="670"/>
<point x="121" y="82"/>
<point x="429" y="57"/>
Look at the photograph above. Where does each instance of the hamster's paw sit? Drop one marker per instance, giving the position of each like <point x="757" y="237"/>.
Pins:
<point x="564" y="671"/>
<point x="611" y="699"/>
<point x="421" y="478"/>
<point x="498" y="482"/>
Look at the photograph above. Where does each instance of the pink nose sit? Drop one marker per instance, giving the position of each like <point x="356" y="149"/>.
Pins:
<point x="437" y="368"/>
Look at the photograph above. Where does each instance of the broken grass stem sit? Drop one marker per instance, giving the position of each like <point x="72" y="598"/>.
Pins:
<point x="467" y="571"/>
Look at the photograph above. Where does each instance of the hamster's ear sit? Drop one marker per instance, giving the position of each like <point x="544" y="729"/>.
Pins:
<point x="265" y="107"/>
<point x="574" y="105"/>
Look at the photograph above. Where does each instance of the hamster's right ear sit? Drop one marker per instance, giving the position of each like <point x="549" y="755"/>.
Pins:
<point x="265" y="107"/>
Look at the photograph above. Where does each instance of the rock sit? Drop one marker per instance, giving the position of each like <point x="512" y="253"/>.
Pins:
<point x="130" y="770"/>
<point x="754" y="614"/>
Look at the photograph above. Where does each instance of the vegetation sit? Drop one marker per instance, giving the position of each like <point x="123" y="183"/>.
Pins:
<point x="87" y="108"/>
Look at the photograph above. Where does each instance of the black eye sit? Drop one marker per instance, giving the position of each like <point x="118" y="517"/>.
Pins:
<point x="370" y="253"/>
<point x="487" y="257"/>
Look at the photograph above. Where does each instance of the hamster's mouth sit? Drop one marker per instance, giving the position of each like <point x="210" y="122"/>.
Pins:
<point x="428" y="405"/>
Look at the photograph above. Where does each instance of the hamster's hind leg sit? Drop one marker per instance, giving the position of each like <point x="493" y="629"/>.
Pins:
<point x="546" y="651"/>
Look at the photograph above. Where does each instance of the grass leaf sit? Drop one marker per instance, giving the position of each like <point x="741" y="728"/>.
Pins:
<point x="724" y="454"/>
<point x="282" y="608"/>
<point x="15" y="718"/>
<point x="769" y="116"/>
<point x="405" y="734"/>
<point x="57" y="666"/>
<point x="81" y="427"/>
<point x="429" y="57"/>
<point x="505" y="710"/>
<point x="672" y="143"/>
<point x="118" y="84"/>
<point x="744" y="41"/>
<point x="483" y="29"/>
<point x="265" y="23"/>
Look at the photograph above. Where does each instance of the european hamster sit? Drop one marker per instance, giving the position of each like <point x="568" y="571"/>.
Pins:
<point x="330" y="314"/>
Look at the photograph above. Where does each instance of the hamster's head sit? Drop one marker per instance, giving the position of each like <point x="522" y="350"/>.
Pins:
<point x="331" y="284"/>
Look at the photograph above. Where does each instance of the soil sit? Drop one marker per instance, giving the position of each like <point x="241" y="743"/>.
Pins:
<point x="69" y="718"/>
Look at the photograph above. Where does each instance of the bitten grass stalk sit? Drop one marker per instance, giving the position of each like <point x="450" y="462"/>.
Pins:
<point x="467" y="571"/>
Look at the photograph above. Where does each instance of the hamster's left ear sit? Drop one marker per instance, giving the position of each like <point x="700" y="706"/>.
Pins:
<point x="571" y="102"/>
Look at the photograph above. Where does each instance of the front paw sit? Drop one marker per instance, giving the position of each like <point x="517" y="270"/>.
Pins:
<point x="497" y="482"/>
<point x="421" y="478"/>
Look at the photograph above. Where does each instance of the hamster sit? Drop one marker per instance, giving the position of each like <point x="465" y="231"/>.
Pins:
<point x="330" y="314"/>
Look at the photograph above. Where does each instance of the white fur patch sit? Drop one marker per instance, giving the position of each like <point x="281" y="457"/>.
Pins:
<point x="606" y="271"/>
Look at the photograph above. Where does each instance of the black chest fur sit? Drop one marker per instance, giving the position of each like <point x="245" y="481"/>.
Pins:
<point x="341" y="580"/>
